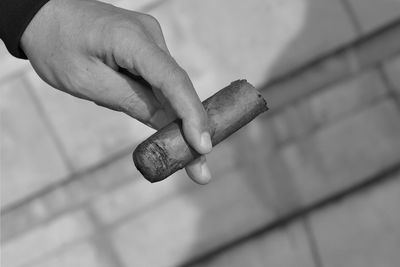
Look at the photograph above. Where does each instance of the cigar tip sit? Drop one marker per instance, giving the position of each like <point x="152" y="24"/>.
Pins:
<point x="147" y="162"/>
<point x="244" y="82"/>
<point x="241" y="82"/>
<point x="265" y="104"/>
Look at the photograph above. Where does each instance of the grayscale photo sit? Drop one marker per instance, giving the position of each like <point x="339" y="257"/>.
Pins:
<point x="200" y="133"/>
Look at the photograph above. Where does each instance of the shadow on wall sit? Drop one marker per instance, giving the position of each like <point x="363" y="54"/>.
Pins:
<point x="256" y="186"/>
<point x="252" y="184"/>
<point x="254" y="39"/>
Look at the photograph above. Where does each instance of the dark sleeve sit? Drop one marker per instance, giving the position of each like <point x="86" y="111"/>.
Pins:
<point x="15" y="16"/>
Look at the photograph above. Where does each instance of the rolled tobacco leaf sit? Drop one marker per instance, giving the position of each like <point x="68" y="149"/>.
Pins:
<point x="167" y="151"/>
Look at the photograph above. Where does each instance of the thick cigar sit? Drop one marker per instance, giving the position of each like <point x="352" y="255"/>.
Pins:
<point x="167" y="151"/>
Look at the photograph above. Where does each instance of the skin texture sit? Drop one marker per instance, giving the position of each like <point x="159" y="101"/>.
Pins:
<point x="94" y="51"/>
<point x="167" y="151"/>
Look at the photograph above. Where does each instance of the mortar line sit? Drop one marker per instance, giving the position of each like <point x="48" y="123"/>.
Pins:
<point x="322" y="61"/>
<point x="353" y="16"/>
<point x="321" y="126"/>
<point x="282" y="79"/>
<point x="102" y="239"/>
<point x="48" y="125"/>
<point x="312" y="242"/>
<point x="386" y="175"/>
<point x="69" y="179"/>
<point x="51" y="216"/>
<point x="389" y="85"/>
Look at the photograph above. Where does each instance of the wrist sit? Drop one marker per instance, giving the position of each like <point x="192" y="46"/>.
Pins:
<point x="39" y="24"/>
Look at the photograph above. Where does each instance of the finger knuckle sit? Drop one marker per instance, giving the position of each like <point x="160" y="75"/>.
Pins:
<point x="178" y="77"/>
<point x="149" y="19"/>
<point x="77" y="82"/>
<point x="127" y="29"/>
<point x="117" y="28"/>
<point x="128" y="103"/>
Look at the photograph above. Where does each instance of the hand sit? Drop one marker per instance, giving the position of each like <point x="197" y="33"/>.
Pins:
<point x="93" y="51"/>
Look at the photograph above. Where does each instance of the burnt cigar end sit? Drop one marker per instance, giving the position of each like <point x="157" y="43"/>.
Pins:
<point x="167" y="151"/>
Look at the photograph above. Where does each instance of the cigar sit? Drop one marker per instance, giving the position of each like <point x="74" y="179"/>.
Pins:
<point x="167" y="151"/>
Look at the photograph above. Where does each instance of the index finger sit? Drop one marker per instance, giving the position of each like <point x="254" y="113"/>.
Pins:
<point x="162" y="72"/>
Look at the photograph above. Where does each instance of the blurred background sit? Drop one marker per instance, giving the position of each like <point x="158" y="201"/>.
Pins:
<point x="315" y="181"/>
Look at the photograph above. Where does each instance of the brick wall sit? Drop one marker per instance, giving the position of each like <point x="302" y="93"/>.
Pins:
<point x="313" y="182"/>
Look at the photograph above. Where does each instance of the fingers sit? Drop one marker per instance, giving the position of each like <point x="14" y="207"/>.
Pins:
<point x="198" y="171"/>
<point x="162" y="116"/>
<point x="137" y="101"/>
<point x="162" y="72"/>
<point x="153" y="29"/>
<point x="146" y="54"/>
<point x="119" y="92"/>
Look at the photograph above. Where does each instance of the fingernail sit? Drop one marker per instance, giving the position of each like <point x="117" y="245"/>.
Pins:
<point x="205" y="142"/>
<point x="205" y="172"/>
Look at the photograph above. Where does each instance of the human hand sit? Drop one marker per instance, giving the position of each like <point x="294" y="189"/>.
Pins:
<point x="93" y="51"/>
